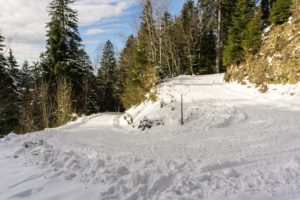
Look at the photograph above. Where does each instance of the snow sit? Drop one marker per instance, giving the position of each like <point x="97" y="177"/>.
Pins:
<point x="290" y="20"/>
<point x="270" y="59"/>
<point x="236" y="144"/>
<point x="266" y="32"/>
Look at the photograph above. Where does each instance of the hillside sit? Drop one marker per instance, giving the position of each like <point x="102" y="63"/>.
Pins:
<point x="236" y="144"/>
<point x="278" y="61"/>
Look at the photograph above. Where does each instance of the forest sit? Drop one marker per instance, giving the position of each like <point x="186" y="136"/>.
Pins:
<point x="207" y="37"/>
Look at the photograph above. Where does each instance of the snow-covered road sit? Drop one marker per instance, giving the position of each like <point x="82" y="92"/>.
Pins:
<point x="236" y="144"/>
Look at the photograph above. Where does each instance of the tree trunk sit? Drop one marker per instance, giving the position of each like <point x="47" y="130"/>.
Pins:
<point x="218" y="45"/>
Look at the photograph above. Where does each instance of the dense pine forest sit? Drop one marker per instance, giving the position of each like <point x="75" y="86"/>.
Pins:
<point x="207" y="37"/>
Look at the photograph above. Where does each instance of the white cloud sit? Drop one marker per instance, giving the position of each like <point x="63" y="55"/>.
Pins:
<point x="23" y="22"/>
<point x="91" y="12"/>
<point x="93" y="31"/>
<point x="93" y="42"/>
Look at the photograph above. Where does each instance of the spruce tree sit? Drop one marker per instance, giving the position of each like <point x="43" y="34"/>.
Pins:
<point x="108" y="76"/>
<point x="205" y="48"/>
<point x="241" y="16"/>
<point x="27" y="77"/>
<point x="95" y="101"/>
<point x="126" y="61"/>
<point x="27" y="123"/>
<point x="252" y="36"/>
<point x="224" y="10"/>
<point x="87" y="77"/>
<point x="64" y="49"/>
<point x="12" y="62"/>
<point x="13" y="68"/>
<point x="281" y="11"/>
<point x="4" y="82"/>
<point x="9" y="95"/>
<point x="63" y="41"/>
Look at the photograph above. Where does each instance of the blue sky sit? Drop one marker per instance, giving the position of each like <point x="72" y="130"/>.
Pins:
<point x="117" y="29"/>
<point x="99" y="21"/>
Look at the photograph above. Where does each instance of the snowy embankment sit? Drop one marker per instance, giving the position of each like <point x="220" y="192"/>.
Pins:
<point x="236" y="144"/>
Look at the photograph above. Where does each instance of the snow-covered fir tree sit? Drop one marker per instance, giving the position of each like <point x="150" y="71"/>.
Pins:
<point x="10" y="104"/>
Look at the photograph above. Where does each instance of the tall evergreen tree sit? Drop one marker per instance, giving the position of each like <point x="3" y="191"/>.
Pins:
<point x="96" y="95"/>
<point x="27" y="76"/>
<point x="13" y="69"/>
<point x="252" y="37"/>
<point x="27" y="123"/>
<point x="27" y="80"/>
<point x="205" y="48"/>
<point x="87" y="80"/>
<point x="126" y="61"/>
<point x="142" y="76"/>
<point x="281" y="11"/>
<point x="107" y="75"/>
<point x="4" y="81"/>
<point x="12" y="62"/>
<point x="63" y="41"/>
<point x="224" y="10"/>
<point x="241" y="16"/>
<point x="62" y="58"/>
<point x="9" y="95"/>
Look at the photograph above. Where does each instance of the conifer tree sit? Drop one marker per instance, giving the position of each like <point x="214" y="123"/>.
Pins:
<point x="241" y="16"/>
<point x="126" y="61"/>
<point x="13" y="69"/>
<point x="87" y="77"/>
<point x="107" y="75"/>
<point x="12" y="62"/>
<point x="27" y="123"/>
<point x="27" y="79"/>
<point x="281" y="11"/>
<point x="64" y="52"/>
<point x="95" y="101"/>
<point x="9" y="95"/>
<point x="205" y="40"/>
<point x="142" y="76"/>
<point x="4" y="81"/>
<point x="224" y="10"/>
<point x="63" y="41"/>
<point x="252" y="36"/>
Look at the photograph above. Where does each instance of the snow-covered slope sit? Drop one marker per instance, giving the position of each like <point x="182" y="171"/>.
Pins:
<point x="236" y="144"/>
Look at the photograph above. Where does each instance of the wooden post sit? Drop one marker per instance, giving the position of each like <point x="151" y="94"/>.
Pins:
<point x="182" y="123"/>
